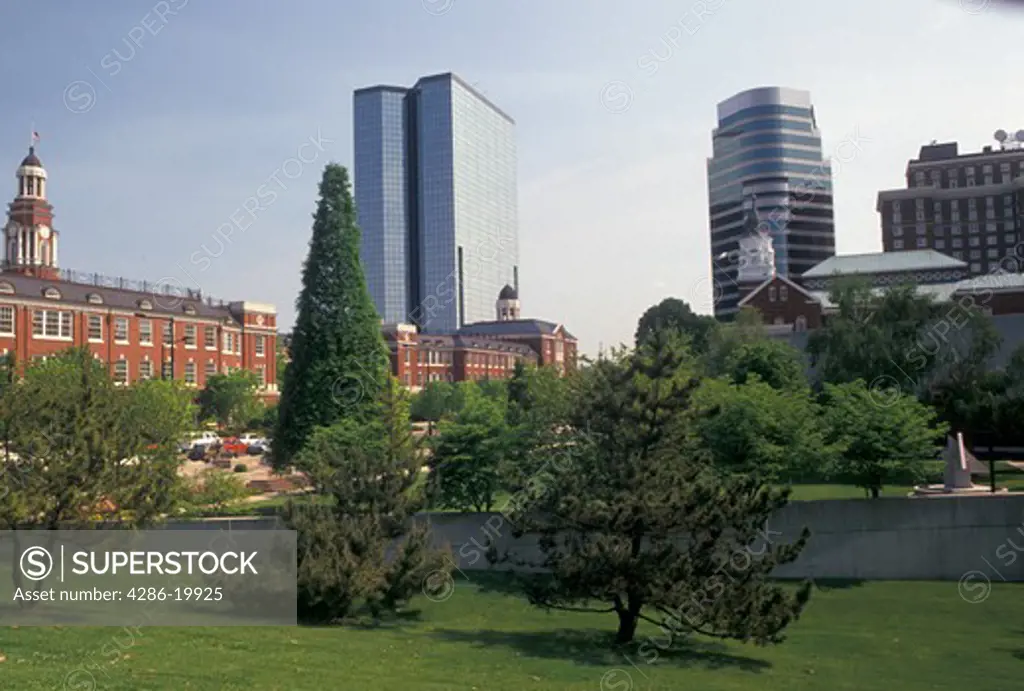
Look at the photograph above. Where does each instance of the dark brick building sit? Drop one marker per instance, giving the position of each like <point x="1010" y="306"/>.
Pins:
<point x="968" y="206"/>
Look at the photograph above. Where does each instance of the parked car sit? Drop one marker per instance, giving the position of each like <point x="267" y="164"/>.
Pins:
<point x="206" y="438"/>
<point x="234" y="447"/>
<point x="197" y="452"/>
<point x="251" y="439"/>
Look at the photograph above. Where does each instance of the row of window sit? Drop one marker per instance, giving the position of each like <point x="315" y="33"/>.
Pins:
<point x="121" y="372"/>
<point x="955" y="229"/>
<point x="952" y="175"/>
<point x="434" y="357"/>
<point x="956" y="243"/>
<point x="59" y="324"/>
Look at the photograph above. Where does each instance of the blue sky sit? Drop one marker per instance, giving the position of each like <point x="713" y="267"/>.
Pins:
<point x="152" y="144"/>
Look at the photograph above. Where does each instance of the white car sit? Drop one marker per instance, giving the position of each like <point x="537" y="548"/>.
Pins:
<point x="252" y="440"/>
<point x="200" y="438"/>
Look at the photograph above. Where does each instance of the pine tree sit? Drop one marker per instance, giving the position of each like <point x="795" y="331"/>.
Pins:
<point x="339" y="361"/>
<point x="631" y="521"/>
<point x="362" y="552"/>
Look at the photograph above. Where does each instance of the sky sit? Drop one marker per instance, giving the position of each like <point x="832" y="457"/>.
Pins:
<point x="160" y="120"/>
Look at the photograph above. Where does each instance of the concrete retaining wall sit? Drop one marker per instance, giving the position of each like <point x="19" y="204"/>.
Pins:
<point x="883" y="539"/>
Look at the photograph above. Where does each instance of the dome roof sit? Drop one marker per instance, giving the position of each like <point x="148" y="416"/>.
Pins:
<point x="32" y="159"/>
<point x="508" y="293"/>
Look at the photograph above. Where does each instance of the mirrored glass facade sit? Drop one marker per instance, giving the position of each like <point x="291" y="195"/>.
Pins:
<point x="767" y="154"/>
<point x="458" y="243"/>
<point x="382" y="198"/>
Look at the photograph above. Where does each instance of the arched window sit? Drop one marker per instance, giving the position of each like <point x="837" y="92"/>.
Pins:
<point x="51" y="293"/>
<point x="94" y="298"/>
<point x="6" y="288"/>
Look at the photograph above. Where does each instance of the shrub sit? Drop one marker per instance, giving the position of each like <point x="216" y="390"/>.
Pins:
<point x="241" y="467"/>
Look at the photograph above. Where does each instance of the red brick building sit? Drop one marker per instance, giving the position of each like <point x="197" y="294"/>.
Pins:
<point x="484" y="350"/>
<point x="139" y="330"/>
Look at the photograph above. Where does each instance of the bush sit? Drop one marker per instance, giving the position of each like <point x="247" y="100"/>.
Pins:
<point x="241" y="467"/>
<point x="217" y="489"/>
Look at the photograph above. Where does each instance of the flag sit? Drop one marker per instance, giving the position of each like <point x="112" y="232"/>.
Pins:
<point x="35" y="136"/>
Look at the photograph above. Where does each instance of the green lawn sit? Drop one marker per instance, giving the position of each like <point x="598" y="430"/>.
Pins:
<point x="907" y="636"/>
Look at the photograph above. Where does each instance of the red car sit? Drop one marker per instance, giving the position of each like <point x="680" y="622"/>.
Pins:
<point x="234" y="447"/>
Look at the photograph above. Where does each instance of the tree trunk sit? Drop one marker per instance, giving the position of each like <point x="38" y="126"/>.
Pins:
<point x="874" y="492"/>
<point x="627" y="626"/>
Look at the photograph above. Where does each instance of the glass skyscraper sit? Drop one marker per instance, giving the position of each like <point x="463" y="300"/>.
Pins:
<point x="767" y="165"/>
<point x="435" y="189"/>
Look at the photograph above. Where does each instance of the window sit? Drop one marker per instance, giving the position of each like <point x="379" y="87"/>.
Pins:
<point x="6" y="288"/>
<point x="121" y="372"/>
<point x="897" y="244"/>
<point x="211" y="368"/>
<point x="922" y="228"/>
<point x="1010" y="238"/>
<point x="95" y="327"/>
<point x="145" y="370"/>
<point x="783" y="297"/>
<point x="261" y="372"/>
<point x="94" y="299"/>
<point x="51" y="294"/>
<point x="165" y="370"/>
<point x="51" y="324"/>
<point x="922" y="242"/>
<point x="919" y="215"/>
<point x="993" y="253"/>
<point x="6" y="320"/>
<point x="121" y="329"/>
<point x="190" y="335"/>
<point x="973" y="227"/>
<point x="261" y="344"/>
<point x="771" y="294"/>
<point x="975" y="268"/>
<point x="210" y="338"/>
<point x="940" y="244"/>
<point x="145" y="332"/>
<point x="958" y="255"/>
<point x="167" y="334"/>
<point x="975" y="254"/>
<point x="991" y="240"/>
<point x="190" y="372"/>
<point x="145" y="305"/>
<point x="897" y="232"/>
<point x="919" y="204"/>
<point x="800" y="324"/>
<point x="975" y="241"/>
<point x="227" y="342"/>
<point x="990" y="227"/>
<point x="958" y="242"/>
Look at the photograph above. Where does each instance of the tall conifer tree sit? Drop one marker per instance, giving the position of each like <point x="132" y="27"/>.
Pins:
<point x="339" y="361"/>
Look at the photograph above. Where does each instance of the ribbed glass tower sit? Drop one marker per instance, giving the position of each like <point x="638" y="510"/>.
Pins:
<point x="767" y="157"/>
<point x="436" y="194"/>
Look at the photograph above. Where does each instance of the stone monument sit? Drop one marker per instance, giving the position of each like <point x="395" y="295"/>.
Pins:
<point x="960" y="464"/>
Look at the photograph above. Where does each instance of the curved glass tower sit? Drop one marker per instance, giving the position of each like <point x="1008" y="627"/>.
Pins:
<point x="767" y="158"/>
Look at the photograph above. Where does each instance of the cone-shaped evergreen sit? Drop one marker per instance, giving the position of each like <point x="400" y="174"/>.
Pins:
<point x="339" y="361"/>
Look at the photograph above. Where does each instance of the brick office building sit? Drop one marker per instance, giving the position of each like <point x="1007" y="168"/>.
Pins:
<point x="969" y="206"/>
<point x="140" y="330"/>
<point x="484" y="350"/>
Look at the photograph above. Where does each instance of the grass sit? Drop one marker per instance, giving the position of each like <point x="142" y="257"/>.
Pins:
<point x="887" y="635"/>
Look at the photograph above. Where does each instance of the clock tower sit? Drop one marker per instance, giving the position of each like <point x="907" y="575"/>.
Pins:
<point x="30" y="242"/>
